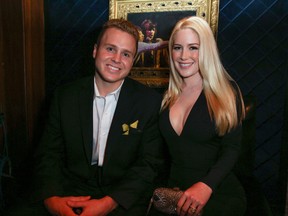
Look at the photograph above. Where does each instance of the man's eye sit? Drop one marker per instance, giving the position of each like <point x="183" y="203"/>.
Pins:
<point x="126" y="55"/>
<point x="110" y="49"/>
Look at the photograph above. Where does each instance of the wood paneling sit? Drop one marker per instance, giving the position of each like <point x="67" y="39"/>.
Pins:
<point x="2" y="89"/>
<point x="13" y="62"/>
<point x="34" y="64"/>
<point x="22" y="75"/>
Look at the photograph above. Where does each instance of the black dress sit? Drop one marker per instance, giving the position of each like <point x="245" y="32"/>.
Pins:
<point x="199" y="154"/>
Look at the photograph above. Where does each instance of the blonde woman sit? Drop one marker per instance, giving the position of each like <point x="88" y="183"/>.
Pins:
<point x="200" y="120"/>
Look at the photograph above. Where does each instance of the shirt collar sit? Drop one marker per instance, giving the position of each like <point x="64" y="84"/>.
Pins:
<point x="115" y="93"/>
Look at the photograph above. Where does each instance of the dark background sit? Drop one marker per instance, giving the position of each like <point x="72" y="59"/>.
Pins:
<point x="252" y="39"/>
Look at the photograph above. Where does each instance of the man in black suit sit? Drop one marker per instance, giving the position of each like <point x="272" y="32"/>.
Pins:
<point x="101" y="149"/>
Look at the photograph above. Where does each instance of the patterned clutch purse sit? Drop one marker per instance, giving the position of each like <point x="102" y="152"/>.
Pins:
<point x="165" y="200"/>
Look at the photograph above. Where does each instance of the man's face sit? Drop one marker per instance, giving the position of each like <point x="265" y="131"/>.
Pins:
<point x="114" y="55"/>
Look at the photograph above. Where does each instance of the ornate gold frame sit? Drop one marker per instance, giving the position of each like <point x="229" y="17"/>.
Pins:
<point x="208" y="9"/>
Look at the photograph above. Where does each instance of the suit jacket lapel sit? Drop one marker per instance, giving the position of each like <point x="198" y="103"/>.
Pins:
<point x="86" y="95"/>
<point x="125" y="101"/>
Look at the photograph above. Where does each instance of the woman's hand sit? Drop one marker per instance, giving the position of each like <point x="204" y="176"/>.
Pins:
<point x="194" y="199"/>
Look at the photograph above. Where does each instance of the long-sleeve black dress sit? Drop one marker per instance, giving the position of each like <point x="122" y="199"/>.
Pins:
<point x="200" y="154"/>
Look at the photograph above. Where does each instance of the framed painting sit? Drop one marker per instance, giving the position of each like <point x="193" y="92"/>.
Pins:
<point x="155" y="20"/>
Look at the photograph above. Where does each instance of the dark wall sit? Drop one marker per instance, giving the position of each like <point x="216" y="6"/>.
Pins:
<point x="252" y="38"/>
<point x="253" y="43"/>
<point x="71" y="29"/>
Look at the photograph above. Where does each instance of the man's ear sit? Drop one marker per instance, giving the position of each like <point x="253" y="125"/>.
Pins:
<point x="94" y="51"/>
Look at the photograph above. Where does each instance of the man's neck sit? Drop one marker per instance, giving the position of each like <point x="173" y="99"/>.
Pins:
<point x="104" y="88"/>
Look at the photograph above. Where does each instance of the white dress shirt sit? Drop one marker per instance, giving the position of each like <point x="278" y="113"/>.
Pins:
<point x="103" y="112"/>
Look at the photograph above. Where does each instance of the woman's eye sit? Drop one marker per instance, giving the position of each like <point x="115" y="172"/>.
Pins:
<point x="176" y="47"/>
<point x="194" y="48"/>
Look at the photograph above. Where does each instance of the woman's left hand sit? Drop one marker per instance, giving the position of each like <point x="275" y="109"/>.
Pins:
<point x="194" y="199"/>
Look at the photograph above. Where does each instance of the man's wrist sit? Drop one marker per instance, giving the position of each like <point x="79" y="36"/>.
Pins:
<point x="110" y="203"/>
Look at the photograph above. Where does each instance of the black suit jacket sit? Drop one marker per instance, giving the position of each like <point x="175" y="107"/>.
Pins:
<point x="131" y="163"/>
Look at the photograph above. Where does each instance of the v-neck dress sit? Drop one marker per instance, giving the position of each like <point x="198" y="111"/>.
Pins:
<point x="199" y="154"/>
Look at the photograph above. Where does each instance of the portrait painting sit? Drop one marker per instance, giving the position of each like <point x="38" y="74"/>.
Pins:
<point x="155" y="21"/>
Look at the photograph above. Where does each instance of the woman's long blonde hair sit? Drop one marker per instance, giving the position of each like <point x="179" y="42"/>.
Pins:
<point x="222" y="98"/>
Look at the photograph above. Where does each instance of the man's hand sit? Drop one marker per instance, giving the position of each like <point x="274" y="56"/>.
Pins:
<point x="58" y="205"/>
<point x="99" y="207"/>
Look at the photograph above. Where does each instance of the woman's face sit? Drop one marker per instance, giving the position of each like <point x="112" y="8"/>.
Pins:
<point x="150" y="33"/>
<point x="141" y="35"/>
<point x="185" y="52"/>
